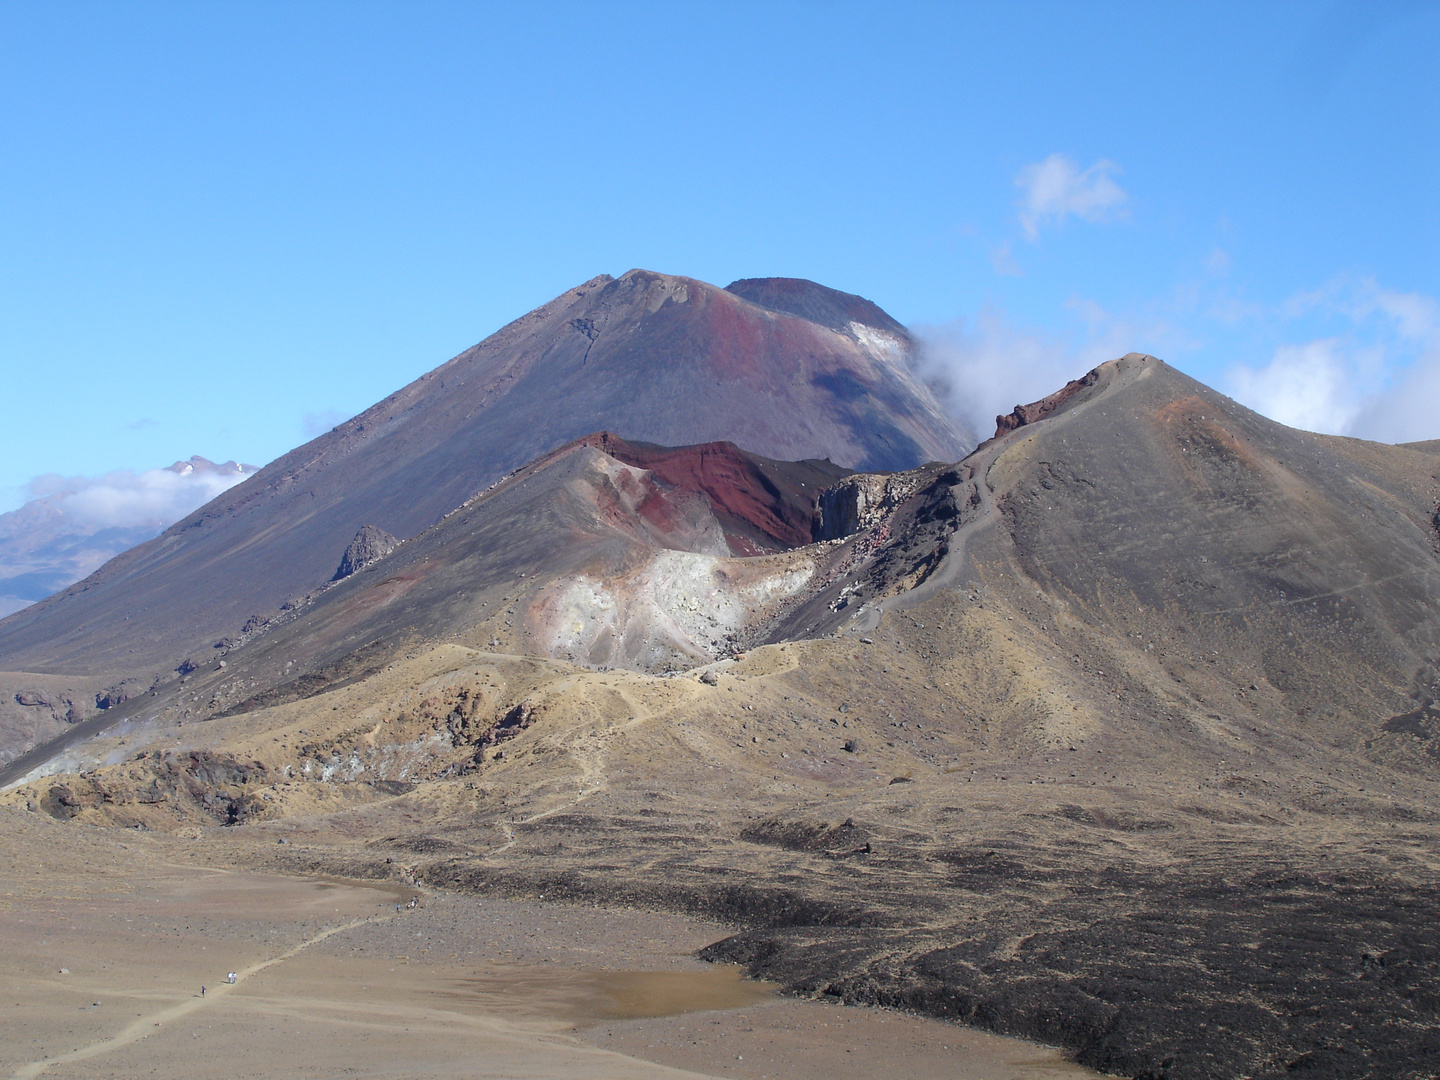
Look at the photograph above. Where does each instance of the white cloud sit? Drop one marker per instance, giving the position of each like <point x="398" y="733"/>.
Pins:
<point x="1408" y="409"/>
<point x="983" y="367"/>
<point x="1351" y="357"/>
<point x="1002" y="258"/>
<point x="1377" y="378"/>
<point x="1414" y="316"/>
<point x="1217" y="263"/>
<point x="1305" y="386"/>
<point x="1054" y="189"/>
<point x="71" y="525"/>
<point x="124" y="499"/>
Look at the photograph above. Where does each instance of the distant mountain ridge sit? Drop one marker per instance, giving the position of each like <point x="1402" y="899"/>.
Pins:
<point x="50" y="542"/>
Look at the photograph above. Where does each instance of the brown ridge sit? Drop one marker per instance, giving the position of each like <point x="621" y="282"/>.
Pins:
<point x="1038" y="410"/>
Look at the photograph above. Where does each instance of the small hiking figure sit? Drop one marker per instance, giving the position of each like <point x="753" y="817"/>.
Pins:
<point x="202" y="991"/>
<point x="230" y="978"/>
<point x="413" y="902"/>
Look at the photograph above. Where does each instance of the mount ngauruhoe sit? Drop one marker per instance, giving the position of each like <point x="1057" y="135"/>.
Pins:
<point x="788" y="369"/>
<point x="1119" y="732"/>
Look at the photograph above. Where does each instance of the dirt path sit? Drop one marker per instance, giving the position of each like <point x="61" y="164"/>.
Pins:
<point x="144" y="1026"/>
<point x="977" y="483"/>
<point x="581" y="739"/>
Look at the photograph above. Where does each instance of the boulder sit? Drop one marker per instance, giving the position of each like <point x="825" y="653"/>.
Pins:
<point x="370" y="545"/>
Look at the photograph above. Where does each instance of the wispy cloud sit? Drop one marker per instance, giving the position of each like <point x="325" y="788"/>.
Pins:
<point x="1304" y="386"/>
<point x="1056" y="188"/>
<point x="1002" y="258"/>
<point x="1375" y="375"/>
<point x="124" y="499"/>
<point x="73" y="524"/>
<point x="984" y="366"/>
<point x="1350" y="357"/>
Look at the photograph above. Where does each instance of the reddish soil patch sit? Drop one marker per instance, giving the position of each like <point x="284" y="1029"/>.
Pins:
<point x="763" y="505"/>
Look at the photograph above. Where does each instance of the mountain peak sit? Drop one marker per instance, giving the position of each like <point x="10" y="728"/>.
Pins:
<point x="655" y="358"/>
<point x="817" y="303"/>
<point x="198" y="464"/>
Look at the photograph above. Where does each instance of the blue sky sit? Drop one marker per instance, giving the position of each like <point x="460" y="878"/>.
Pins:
<point x="225" y="227"/>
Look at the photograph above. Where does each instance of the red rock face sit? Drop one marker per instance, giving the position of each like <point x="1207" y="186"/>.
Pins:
<point x="1038" y="410"/>
<point x="763" y="505"/>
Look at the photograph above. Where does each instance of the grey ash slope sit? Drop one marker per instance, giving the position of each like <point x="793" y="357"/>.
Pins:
<point x="1303" y="563"/>
<point x="1190" y="825"/>
<point x="829" y="307"/>
<point x="1265" y="578"/>
<point x="663" y="359"/>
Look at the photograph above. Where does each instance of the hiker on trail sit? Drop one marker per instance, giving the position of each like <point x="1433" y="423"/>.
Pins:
<point x="230" y="978"/>
<point x="202" y="991"/>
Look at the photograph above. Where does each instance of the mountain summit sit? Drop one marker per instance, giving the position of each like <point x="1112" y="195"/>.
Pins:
<point x="783" y="368"/>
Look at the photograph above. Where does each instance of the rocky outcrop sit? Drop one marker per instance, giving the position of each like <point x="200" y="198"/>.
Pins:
<point x="219" y="785"/>
<point x="371" y="544"/>
<point x="120" y="692"/>
<point x="62" y="706"/>
<point x="1038" y="410"/>
<point x="859" y="502"/>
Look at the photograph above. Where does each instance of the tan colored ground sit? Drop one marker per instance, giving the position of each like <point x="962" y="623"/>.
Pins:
<point x="106" y="939"/>
<point x="994" y="829"/>
<point x="1147" y="765"/>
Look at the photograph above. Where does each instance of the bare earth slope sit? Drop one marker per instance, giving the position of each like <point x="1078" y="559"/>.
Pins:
<point x="1119" y="734"/>
<point x="656" y="358"/>
<point x="612" y="552"/>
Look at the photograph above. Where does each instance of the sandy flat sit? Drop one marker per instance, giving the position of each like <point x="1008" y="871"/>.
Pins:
<point x="787" y="1038"/>
<point x="106" y="940"/>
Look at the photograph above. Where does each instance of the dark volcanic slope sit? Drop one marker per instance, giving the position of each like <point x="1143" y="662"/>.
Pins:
<point x="1196" y="747"/>
<point x="656" y="358"/>
<point x="1301" y="563"/>
<point x="1243" y="569"/>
